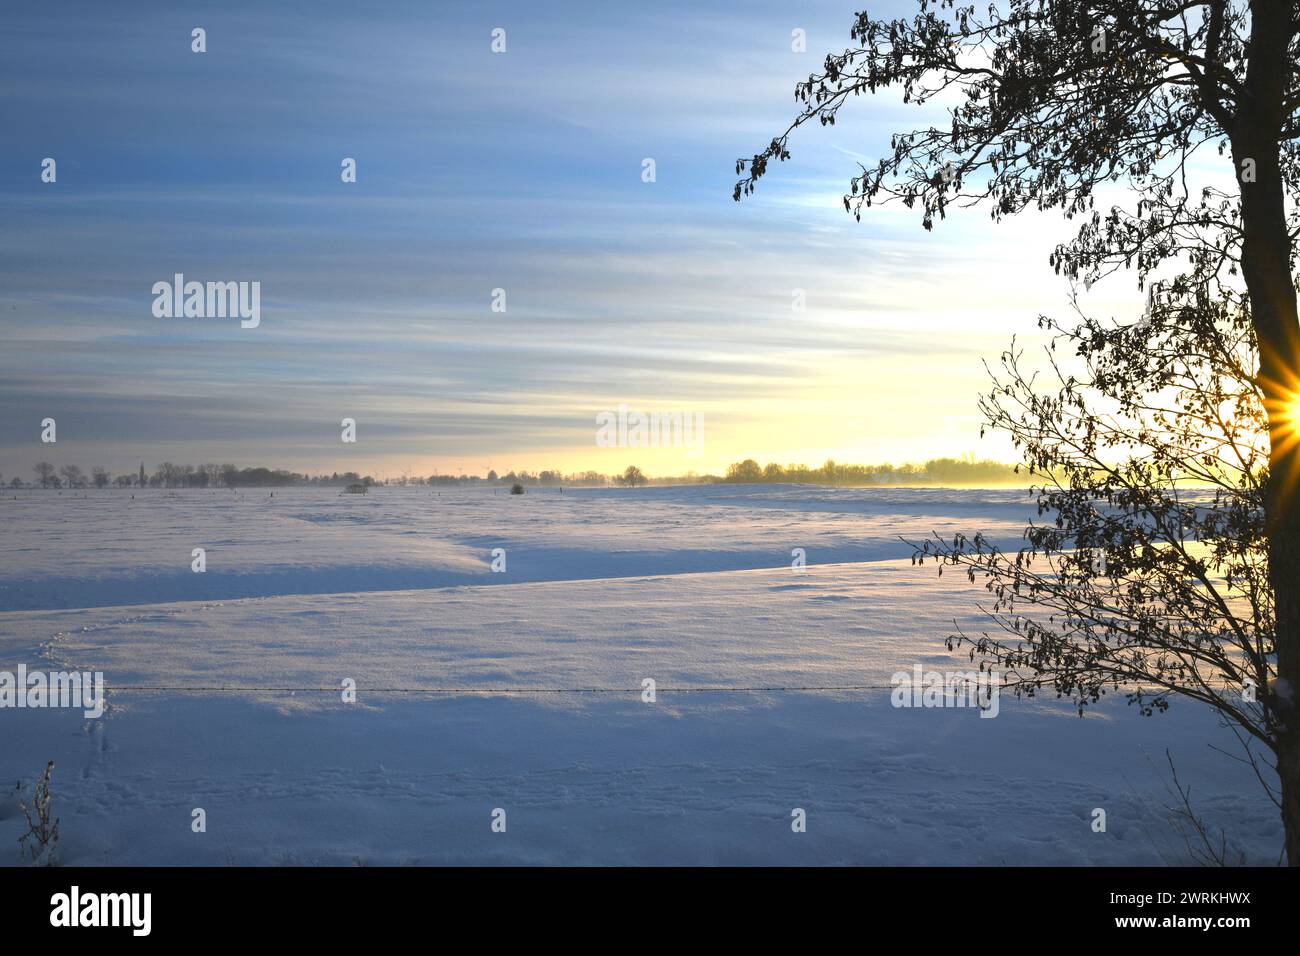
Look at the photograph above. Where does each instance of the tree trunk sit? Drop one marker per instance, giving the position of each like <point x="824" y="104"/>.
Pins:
<point x="1266" y="267"/>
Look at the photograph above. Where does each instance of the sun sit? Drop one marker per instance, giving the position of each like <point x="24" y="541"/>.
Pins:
<point x="1284" y="435"/>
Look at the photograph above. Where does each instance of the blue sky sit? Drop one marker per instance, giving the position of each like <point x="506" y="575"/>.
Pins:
<point x="476" y="171"/>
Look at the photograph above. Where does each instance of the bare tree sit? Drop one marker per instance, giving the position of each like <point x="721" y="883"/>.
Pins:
<point x="1148" y="574"/>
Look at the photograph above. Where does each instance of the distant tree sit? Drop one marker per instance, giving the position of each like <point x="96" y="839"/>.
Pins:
<point x="124" y="481"/>
<point x="100" y="476"/>
<point x="632" y="477"/>
<point x="73" y="476"/>
<point x="45" y="473"/>
<point x="16" y="482"/>
<point x="745" y="472"/>
<point x="492" y="475"/>
<point x="516" y="489"/>
<point x="165" y="475"/>
<point x="773" y="472"/>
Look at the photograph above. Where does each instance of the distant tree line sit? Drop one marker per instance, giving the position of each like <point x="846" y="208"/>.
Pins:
<point x="936" y="471"/>
<point x="169" y="475"/>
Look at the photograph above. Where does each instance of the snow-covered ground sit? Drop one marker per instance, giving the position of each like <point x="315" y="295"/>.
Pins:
<point x="522" y="690"/>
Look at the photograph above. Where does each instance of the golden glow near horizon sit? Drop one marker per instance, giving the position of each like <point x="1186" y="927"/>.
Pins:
<point x="861" y="411"/>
